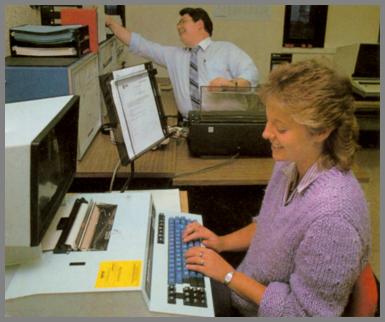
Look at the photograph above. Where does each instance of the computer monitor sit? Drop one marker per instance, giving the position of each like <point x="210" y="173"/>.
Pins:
<point x="134" y="109"/>
<point x="359" y="60"/>
<point x="368" y="61"/>
<point x="40" y="164"/>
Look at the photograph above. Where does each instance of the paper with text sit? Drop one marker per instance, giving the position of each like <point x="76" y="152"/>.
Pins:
<point x="138" y="113"/>
<point x="119" y="274"/>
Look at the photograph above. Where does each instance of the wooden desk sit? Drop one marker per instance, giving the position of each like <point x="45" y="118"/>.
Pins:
<point x="175" y="160"/>
<point x="183" y="201"/>
<point x="102" y="156"/>
<point x="241" y="171"/>
<point x="368" y="115"/>
<point x="367" y="105"/>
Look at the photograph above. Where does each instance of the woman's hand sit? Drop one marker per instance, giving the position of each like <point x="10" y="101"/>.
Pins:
<point x="209" y="239"/>
<point x="208" y="262"/>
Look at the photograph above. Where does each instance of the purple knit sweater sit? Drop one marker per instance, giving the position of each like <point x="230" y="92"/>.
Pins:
<point x="310" y="252"/>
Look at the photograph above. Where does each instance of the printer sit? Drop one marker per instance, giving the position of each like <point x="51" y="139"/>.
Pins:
<point x="230" y="121"/>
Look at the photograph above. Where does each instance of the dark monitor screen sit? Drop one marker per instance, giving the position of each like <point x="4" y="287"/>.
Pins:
<point x="368" y="61"/>
<point x="53" y="166"/>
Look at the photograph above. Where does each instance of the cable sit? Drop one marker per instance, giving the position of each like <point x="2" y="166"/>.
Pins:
<point x="229" y="161"/>
<point x="171" y="116"/>
<point x="117" y="166"/>
<point x="130" y="178"/>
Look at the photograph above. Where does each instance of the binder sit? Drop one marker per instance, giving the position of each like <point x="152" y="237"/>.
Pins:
<point x="83" y="16"/>
<point x="50" y="15"/>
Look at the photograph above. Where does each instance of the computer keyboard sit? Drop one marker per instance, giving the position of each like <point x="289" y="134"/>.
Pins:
<point x="193" y="292"/>
<point x="177" y="271"/>
<point x="173" y="288"/>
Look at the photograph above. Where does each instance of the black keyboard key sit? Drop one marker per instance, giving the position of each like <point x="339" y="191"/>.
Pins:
<point x="171" y="294"/>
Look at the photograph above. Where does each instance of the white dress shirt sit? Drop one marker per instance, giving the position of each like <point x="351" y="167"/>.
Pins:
<point x="216" y="59"/>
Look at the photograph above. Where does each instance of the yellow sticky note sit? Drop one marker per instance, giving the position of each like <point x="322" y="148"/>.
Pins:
<point x="119" y="274"/>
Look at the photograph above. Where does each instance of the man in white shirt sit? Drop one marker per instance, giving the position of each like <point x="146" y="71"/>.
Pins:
<point x="219" y="63"/>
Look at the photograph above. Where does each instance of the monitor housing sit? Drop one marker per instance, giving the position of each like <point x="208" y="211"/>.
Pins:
<point x="40" y="164"/>
<point x="360" y="60"/>
<point x="361" y="63"/>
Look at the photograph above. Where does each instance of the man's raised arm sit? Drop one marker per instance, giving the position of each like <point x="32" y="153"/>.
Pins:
<point x="119" y="31"/>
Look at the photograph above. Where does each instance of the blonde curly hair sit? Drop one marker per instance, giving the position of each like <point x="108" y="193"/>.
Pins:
<point x="317" y="97"/>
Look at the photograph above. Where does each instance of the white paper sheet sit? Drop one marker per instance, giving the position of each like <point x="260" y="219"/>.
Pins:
<point x="138" y="113"/>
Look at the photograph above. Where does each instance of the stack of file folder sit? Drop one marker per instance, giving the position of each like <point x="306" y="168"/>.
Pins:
<point x="39" y="40"/>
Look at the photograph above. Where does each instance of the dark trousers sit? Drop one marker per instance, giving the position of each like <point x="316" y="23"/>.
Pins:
<point x="222" y="300"/>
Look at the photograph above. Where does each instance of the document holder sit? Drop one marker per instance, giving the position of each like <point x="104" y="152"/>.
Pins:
<point x="134" y="110"/>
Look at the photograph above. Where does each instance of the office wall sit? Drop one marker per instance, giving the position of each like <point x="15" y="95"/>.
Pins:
<point x="18" y="15"/>
<point x="258" y="29"/>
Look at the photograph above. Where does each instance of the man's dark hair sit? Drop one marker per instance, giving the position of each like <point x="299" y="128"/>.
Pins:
<point x="199" y="14"/>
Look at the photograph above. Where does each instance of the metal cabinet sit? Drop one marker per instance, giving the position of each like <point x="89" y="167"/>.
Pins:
<point x="111" y="57"/>
<point x="28" y="78"/>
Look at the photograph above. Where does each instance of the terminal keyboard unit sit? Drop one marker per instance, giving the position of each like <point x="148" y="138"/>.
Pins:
<point x="186" y="292"/>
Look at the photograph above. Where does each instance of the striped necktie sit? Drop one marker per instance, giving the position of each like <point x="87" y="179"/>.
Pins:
<point x="194" y="79"/>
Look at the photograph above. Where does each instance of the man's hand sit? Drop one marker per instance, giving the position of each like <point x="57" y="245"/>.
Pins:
<point x="221" y="82"/>
<point x="119" y="31"/>
<point x="108" y="20"/>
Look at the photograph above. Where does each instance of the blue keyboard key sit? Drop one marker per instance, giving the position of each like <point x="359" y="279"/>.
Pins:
<point x="177" y="271"/>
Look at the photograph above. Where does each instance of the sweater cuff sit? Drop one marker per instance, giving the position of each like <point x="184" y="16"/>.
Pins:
<point x="273" y="300"/>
